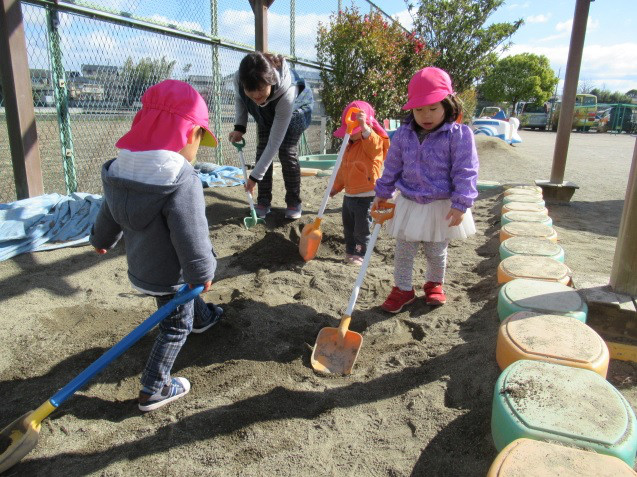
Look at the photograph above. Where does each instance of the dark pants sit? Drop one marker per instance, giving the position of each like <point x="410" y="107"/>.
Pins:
<point x="173" y="331"/>
<point x="356" y="223"/>
<point x="288" y="156"/>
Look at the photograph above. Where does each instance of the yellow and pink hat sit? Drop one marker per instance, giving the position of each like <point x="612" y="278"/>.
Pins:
<point x="371" y="120"/>
<point x="170" y="110"/>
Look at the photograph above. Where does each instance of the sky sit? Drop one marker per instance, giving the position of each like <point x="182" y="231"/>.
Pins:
<point x="609" y="60"/>
<point x="610" y="48"/>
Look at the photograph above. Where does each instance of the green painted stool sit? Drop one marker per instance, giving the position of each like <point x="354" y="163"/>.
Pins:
<point x="488" y="185"/>
<point x="540" y="296"/>
<point x="532" y="246"/>
<point x="573" y="406"/>
<point x="520" y="216"/>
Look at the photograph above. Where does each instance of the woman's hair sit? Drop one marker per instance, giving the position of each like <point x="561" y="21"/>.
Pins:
<point x="258" y="70"/>
<point x="452" y="106"/>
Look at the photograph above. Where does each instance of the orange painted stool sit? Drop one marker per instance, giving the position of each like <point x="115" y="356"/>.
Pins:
<point x="533" y="458"/>
<point x="555" y="339"/>
<point x="527" y="229"/>
<point x="534" y="268"/>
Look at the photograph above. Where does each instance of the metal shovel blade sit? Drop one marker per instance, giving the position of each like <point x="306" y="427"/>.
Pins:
<point x="17" y="440"/>
<point x="335" y="353"/>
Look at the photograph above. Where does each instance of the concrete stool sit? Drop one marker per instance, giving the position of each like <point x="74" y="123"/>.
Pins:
<point x="540" y="296"/>
<point x="521" y="216"/>
<point x="531" y="458"/>
<point x="553" y="339"/>
<point x="535" y="268"/>
<point x="532" y="199"/>
<point x="531" y="246"/>
<point x="573" y="406"/>
<point x="527" y="229"/>
<point x="530" y="190"/>
<point x="524" y="207"/>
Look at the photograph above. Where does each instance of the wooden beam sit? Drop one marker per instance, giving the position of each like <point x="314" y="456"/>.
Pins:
<point x="18" y="98"/>
<point x="623" y="276"/>
<point x="260" y="9"/>
<point x="571" y="78"/>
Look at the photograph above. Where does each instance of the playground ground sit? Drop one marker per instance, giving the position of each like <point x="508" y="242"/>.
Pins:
<point x="418" y="402"/>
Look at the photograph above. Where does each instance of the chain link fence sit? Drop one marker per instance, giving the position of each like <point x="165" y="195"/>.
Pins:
<point x="90" y="62"/>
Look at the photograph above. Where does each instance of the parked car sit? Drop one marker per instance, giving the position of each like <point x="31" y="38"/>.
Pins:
<point x="618" y="118"/>
<point x="533" y="115"/>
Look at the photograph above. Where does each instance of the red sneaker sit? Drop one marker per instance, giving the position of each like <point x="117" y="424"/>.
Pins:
<point x="397" y="299"/>
<point x="434" y="295"/>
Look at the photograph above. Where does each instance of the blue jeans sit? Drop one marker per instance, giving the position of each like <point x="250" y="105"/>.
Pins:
<point x="173" y="331"/>
<point x="356" y="223"/>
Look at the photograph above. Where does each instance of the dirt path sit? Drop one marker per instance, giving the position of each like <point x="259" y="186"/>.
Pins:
<point x="418" y="403"/>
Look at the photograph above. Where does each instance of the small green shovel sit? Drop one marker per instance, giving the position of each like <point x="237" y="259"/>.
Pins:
<point x="253" y="220"/>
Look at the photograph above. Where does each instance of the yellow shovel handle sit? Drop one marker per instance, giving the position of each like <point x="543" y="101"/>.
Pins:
<point x="344" y="326"/>
<point x="37" y="416"/>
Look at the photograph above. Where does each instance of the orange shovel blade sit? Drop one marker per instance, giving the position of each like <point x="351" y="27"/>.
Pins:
<point x="310" y="240"/>
<point x="333" y="354"/>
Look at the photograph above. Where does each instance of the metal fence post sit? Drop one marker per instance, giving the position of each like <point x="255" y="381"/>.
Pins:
<point x="60" y="92"/>
<point x="216" y="83"/>
<point x="292" y="28"/>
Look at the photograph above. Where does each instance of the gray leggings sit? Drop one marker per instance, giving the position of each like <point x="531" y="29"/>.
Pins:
<point x="405" y="254"/>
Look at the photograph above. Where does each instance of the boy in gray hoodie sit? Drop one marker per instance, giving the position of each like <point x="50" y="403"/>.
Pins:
<point x="154" y="199"/>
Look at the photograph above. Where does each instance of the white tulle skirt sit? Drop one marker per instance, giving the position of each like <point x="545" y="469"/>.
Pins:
<point x="416" y="222"/>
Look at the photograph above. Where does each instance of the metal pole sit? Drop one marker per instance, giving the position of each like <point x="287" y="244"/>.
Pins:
<point x="60" y="93"/>
<point x="216" y="82"/>
<point x="623" y="276"/>
<point x="18" y="98"/>
<point x="292" y="28"/>
<point x="570" y="90"/>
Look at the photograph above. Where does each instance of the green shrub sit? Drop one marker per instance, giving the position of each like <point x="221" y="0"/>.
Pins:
<point x="370" y="60"/>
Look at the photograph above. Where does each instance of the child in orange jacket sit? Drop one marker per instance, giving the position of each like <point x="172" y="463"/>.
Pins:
<point x="361" y="166"/>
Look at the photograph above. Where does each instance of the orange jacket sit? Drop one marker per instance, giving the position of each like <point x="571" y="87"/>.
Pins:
<point x="361" y="165"/>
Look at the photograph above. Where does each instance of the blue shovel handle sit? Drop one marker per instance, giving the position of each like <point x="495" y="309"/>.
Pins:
<point x="184" y="295"/>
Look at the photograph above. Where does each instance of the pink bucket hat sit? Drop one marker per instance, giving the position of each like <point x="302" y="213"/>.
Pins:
<point x="428" y="86"/>
<point x="371" y="120"/>
<point x="170" y="110"/>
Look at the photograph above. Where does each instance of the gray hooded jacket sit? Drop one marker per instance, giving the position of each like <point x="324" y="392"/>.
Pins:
<point x="164" y="227"/>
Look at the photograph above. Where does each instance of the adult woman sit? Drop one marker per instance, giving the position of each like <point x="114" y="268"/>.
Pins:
<point x="281" y="104"/>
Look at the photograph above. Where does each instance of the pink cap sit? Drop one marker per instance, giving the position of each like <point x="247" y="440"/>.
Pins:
<point x="170" y="110"/>
<point x="428" y="86"/>
<point x="371" y="120"/>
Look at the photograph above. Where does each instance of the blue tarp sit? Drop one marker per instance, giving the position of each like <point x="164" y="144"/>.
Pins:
<point x="212" y="175"/>
<point x="53" y="221"/>
<point x="46" y="222"/>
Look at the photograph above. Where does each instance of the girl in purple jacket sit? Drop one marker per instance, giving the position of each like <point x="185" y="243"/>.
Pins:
<point x="433" y="164"/>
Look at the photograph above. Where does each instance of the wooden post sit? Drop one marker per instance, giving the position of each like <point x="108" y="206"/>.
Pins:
<point x="623" y="276"/>
<point x="16" y="83"/>
<point x="260" y="9"/>
<point x="570" y="90"/>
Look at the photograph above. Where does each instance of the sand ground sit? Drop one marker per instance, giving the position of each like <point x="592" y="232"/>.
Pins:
<point x="418" y="402"/>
